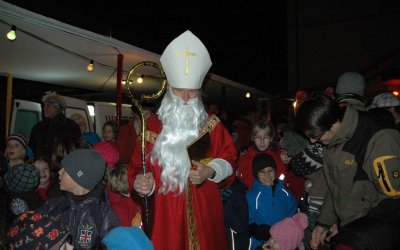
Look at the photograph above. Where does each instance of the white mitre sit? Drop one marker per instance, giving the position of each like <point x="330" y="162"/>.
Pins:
<point x="186" y="62"/>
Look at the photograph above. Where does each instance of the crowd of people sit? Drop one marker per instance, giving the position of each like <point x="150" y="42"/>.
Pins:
<point x="328" y="179"/>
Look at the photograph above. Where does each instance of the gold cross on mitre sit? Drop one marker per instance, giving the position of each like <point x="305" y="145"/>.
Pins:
<point x="186" y="54"/>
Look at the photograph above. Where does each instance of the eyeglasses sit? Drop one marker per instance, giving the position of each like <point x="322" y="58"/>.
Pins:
<point x="259" y="138"/>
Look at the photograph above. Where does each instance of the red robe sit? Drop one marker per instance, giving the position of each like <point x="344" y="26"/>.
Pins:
<point x="126" y="141"/>
<point x="246" y="161"/>
<point x="124" y="207"/>
<point x="170" y="230"/>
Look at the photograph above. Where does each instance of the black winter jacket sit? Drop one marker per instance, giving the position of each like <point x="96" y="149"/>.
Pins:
<point x="88" y="217"/>
<point x="46" y="132"/>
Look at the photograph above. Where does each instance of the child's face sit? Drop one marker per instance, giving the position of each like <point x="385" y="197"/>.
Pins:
<point x="108" y="134"/>
<point x="266" y="176"/>
<point x="15" y="150"/>
<point x="284" y="157"/>
<point x="271" y="245"/>
<point x="44" y="170"/>
<point x="66" y="182"/>
<point x="262" y="140"/>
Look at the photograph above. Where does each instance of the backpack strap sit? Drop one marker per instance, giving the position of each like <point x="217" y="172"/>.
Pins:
<point x="358" y="143"/>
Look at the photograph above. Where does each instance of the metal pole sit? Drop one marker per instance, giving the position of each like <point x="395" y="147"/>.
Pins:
<point x="120" y="69"/>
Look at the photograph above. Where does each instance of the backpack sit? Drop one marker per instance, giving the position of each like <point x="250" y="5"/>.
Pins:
<point x="386" y="177"/>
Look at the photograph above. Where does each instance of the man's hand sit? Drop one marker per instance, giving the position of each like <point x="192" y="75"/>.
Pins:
<point x="144" y="184"/>
<point x="200" y="173"/>
<point x="318" y="236"/>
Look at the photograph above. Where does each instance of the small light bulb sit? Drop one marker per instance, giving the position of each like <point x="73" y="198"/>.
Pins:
<point x="12" y="34"/>
<point x="248" y="95"/>
<point x="90" y="66"/>
<point x="139" y="80"/>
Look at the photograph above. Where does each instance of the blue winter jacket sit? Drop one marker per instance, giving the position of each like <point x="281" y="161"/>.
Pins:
<point x="267" y="206"/>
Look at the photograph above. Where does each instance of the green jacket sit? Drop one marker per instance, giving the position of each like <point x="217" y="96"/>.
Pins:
<point x="353" y="193"/>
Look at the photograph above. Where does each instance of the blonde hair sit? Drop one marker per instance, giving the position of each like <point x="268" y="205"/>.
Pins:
<point x="117" y="178"/>
<point x="263" y="125"/>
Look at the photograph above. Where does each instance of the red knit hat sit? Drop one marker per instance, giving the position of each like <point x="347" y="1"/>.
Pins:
<point x="109" y="152"/>
<point x="289" y="232"/>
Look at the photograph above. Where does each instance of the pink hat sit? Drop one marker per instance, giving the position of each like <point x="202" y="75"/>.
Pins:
<point x="289" y="232"/>
<point x="109" y="152"/>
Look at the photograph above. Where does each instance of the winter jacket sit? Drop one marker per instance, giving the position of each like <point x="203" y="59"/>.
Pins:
<point x="87" y="217"/>
<point x="268" y="205"/>
<point x="348" y="167"/>
<point x="236" y="215"/>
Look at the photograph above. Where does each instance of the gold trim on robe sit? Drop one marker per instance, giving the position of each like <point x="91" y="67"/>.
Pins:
<point x="191" y="218"/>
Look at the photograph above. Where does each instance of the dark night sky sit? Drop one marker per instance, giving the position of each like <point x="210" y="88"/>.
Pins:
<point x="247" y="42"/>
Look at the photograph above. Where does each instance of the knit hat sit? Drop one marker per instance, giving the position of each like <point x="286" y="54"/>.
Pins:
<point x="86" y="167"/>
<point x="308" y="161"/>
<point x="293" y="143"/>
<point x="186" y="61"/>
<point x="262" y="161"/>
<point x="18" y="206"/>
<point x="109" y="152"/>
<point x="34" y="230"/>
<point x="289" y="232"/>
<point x="91" y="138"/>
<point x="385" y="100"/>
<point x="350" y="82"/>
<point x="56" y="100"/>
<point x="22" y="178"/>
<point x="20" y="137"/>
<point x="121" y="238"/>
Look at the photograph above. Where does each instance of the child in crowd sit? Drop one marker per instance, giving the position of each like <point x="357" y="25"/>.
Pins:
<point x="21" y="183"/>
<point x="108" y="148"/>
<point x="110" y="131"/>
<point x="262" y="137"/>
<point x="121" y="238"/>
<point x="87" y="216"/>
<point x="34" y="230"/>
<point x="292" y="144"/>
<point x="288" y="233"/>
<point x="43" y="165"/>
<point x="268" y="200"/>
<point x="21" y="179"/>
<point x="119" y="197"/>
<point x="16" y="150"/>
<point x="62" y="147"/>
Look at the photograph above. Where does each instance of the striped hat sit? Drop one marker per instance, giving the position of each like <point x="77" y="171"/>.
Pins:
<point x="20" y="137"/>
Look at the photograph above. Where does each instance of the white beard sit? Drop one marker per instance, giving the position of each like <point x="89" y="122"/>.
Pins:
<point x="181" y="125"/>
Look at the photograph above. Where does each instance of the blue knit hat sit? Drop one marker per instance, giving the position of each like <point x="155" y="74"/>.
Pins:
<point x="122" y="238"/>
<point x="91" y="137"/>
